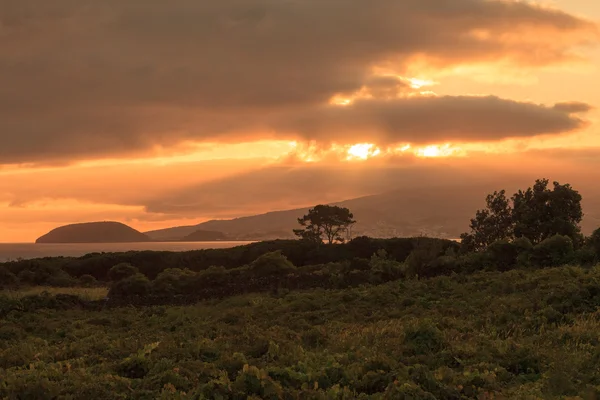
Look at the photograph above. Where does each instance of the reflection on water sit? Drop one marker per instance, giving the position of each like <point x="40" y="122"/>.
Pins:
<point x="13" y="251"/>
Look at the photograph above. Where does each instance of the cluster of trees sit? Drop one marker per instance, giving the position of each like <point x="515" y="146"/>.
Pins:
<point x="535" y="214"/>
<point x="538" y="226"/>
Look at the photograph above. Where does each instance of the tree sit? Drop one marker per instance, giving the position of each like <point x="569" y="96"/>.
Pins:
<point x="540" y="213"/>
<point x="594" y="241"/>
<point x="537" y="214"/>
<point x="491" y="224"/>
<point x="325" y="222"/>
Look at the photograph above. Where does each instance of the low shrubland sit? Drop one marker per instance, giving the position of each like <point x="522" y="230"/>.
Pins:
<point x="521" y="334"/>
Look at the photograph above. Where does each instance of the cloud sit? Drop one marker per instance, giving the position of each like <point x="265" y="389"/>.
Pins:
<point x="433" y="119"/>
<point x="573" y="107"/>
<point x="88" y="79"/>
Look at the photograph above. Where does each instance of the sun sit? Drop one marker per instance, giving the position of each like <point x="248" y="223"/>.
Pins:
<point x="433" y="151"/>
<point x="362" y="151"/>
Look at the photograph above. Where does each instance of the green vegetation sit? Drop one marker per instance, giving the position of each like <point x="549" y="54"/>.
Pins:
<point x="415" y="318"/>
<point x="517" y="334"/>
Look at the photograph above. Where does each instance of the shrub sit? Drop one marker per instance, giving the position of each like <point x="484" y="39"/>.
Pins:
<point x="213" y="276"/>
<point x="121" y="271"/>
<point x="503" y="254"/>
<point x="424" y="252"/>
<point x="7" y="278"/>
<point x="61" y="279"/>
<point x="26" y="276"/>
<point x="594" y="242"/>
<point x="87" y="280"/>
<point x="553" y="252"/>
<point x="136" y="285"/>
<point x="383" y="268"/>
<point x="273" y="263"/>
<point x="443" y="265"/>
<point x="423" y="337"/>
<point x="585" y="256"/>
<point x="172" y="281"/>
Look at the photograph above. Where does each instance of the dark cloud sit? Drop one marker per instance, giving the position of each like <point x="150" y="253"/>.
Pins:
<point x="573" y="107"/>
<point x="432" y="119"/>
<point x="82" y="78"/>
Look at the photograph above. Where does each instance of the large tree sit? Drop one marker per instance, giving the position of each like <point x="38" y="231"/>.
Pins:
<point x="540" y="213"/>
<point x="490" y="224"/>
<point x="325" y="222"/>
<point x="537" y="213"/>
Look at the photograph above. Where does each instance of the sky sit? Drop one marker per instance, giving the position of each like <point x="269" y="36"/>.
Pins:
<point x="158" y="114"/>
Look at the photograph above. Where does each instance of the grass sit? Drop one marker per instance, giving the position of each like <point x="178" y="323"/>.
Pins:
<point x="95" y="293"/>
<point x="515" y="335"/>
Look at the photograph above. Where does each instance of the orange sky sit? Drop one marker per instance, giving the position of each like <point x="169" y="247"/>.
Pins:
<point x="178" y="112"/>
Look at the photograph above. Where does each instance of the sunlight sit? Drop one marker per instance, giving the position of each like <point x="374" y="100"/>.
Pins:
<point x="416" y="83"/>
<point x="437" y="151"/>
<point x="362" y="151"/>
<point x="340" y="101"/>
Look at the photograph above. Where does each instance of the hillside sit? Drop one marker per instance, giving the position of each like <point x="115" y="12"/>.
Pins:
<point x="438" y="211"/>
<point x="385" y="215"/>
<point x="204" y="236"/>
<point x="94" y="232"/>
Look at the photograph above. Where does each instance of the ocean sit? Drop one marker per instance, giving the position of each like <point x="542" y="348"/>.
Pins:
<point x="13" y="251"/>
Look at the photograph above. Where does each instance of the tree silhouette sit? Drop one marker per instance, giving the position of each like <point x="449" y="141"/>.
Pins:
<point x="490" y="224"/>
<point x="537" y="214"/>
<point x="325" y="222"/>
<point x="540" y="213"/>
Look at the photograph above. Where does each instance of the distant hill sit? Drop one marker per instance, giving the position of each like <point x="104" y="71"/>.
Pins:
<point x="442" y="211"/>
<point x="94" y="232"/>
<point x="439" y="212"/>
<point x="204" y="236"/>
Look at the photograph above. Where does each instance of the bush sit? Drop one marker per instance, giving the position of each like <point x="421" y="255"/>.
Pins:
<point x="60" y="279"/>
<point x="503" y="255"/>
<point x="121" y="271"/>
<point x="172" y="281"/>
<point x="594" y="242"/>
<point x="443" y="265"/>
<point x="7" y="278"/>
<point x="585" y="257"/>
<point x="87" y="280"/>
<point x="553" y="252"/>
<point x="136" y="285"/>
<point x="424" y="252"/>
<point x="383" y="268"/>
<point x="213" y="276"/>
<point x="273" y="263"/>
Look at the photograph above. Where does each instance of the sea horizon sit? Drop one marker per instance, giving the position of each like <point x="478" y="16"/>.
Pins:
<point x="32" y="250"/>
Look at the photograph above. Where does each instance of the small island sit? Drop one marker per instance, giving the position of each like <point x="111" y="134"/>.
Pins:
<point x="94" y="232"/>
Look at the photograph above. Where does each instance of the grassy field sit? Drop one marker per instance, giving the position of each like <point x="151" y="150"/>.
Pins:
<point x="512" y="335"/>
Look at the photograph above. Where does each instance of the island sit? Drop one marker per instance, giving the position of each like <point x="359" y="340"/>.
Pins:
<point x="94" y="232"/>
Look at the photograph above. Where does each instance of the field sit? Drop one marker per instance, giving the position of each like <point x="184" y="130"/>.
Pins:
<point x="96" y="293"/>
<point x="521" y="334"/>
